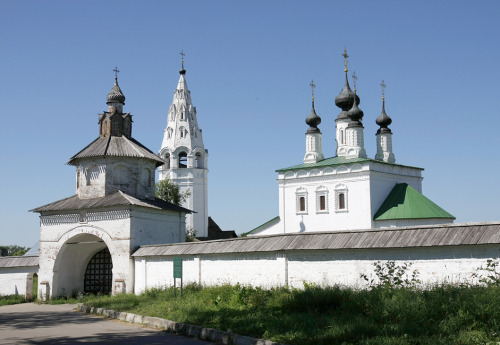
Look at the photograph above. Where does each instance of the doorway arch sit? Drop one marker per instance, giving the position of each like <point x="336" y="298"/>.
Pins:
<point x="99" y="273"/>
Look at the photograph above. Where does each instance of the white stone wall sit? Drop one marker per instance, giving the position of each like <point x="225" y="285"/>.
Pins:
<point x="17" y="280"/>
<point x="321" y="267"/>
<point x="98" y="177"/>
<point x="69" y="241"/>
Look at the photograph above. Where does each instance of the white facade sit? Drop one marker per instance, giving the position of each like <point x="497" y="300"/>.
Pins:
<point x="365" y="185"/>
<point x="187" y="159"/>
<point x="69" y="241"/>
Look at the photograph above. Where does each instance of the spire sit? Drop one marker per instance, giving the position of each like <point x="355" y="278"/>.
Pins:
<point x="116" y="95"/>
<point x="355" y="114"/>
<point x="346" y="97"/>
<point x="313" y="120"/>
<point x="383" y="120"/>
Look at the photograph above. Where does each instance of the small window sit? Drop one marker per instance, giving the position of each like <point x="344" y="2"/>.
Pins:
<point x="301" y="201"/>
<point x="302" y="204"/>
<point x="341" y="201"/>
<point x="341" y="198"/>
<point x="321" y="199"/>
<point x="341" y="137"/>
<point x="322" y="203"/>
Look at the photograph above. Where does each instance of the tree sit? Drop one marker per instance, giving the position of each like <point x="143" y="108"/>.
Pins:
<point x="169" y="191"/>
<point x="13" y="250"/>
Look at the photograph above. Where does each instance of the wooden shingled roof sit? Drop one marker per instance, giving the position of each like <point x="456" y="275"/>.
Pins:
<point x="116" y="199"/>
<point x="115" y="146"/>
<point x="405" y="237"/>
<point x="18" y="261"/>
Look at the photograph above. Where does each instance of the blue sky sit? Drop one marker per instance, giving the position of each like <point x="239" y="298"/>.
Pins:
<point x="249" y="64"/>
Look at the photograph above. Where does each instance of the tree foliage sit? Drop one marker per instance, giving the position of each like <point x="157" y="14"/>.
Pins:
<point x="13" y="250"/>
<point x="169" y="191"/>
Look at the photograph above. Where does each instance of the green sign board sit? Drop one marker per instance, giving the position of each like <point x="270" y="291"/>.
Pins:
<point x="178" y="268"/>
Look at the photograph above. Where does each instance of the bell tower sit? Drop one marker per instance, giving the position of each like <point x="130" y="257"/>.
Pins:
<point x="185" y="156"/>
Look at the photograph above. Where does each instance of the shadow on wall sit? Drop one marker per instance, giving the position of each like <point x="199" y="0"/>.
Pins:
<point x="302" y="226"/>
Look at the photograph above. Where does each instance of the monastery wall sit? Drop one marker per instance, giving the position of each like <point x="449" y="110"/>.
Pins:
<point x="17" y="280"/>
<point x="450" y="264"/>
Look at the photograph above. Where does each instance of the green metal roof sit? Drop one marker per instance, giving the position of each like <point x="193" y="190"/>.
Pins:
<point x="332" y="161"/>
<point x="405" y="202"/>
<point x="256" y="228"/>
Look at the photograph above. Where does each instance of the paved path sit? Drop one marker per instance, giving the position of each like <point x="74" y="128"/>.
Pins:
<point x="31" y="323"/>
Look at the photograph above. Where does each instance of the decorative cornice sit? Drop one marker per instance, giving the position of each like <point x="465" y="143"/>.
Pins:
<point x="84" y="217"/>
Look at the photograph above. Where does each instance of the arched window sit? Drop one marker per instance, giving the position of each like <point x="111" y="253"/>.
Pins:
<point x="183" y="160"/>
<point x="198" y="160"/>
<point x="342" y="137"/>
<point x="302" y="204"/>
<point x="341" y="197"/>
<point x="167" y="161"/>
<point x="322" y="203"/>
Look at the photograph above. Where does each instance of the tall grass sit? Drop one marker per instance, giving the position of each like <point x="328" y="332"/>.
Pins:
<point x="333" y="315"/>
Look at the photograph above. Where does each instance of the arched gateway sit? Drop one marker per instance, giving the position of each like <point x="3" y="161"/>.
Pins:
<point x="99" y="273"/>
<point x="86" y="240"/>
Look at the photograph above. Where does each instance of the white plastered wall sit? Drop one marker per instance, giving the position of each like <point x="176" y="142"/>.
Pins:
<point x="17" y="280"/>
<point x="321" y="267"/>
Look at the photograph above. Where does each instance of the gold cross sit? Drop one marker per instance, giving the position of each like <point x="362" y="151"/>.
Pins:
<point x="182" y="54"/>
<point x="312" y="85"/>
<point x="345" y="59"/>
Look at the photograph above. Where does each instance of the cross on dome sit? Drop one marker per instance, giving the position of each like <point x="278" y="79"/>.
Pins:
<point x="382" y="84"/>
<point x="312" y="85"/>
<point x="345" y="59"/>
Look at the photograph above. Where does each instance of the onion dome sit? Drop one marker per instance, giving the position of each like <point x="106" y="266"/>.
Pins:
<point x="383" y="120"/>
<point x="355" y="115"/>
<point x="116" y="95"/>
<point x="346" y="98"/>
<point x="313" y="121"/>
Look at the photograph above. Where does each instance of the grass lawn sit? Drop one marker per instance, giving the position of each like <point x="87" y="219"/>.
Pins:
<point x="315" y="316"/>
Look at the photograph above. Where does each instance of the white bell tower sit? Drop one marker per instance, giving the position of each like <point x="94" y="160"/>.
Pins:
<point x="186" y="157"/>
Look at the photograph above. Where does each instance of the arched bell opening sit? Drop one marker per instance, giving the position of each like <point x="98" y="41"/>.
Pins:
<point x="183" y="160"/>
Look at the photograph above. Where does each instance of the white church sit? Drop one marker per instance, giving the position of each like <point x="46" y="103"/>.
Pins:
<point x="350" y="191"/>
<point x="337" y="216"/>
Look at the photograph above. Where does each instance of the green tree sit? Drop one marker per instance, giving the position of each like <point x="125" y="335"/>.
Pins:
<point x="13" y="250"/>
<point x="169" y="191"/>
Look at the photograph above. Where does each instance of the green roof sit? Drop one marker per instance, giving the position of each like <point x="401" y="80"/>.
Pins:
<point x="332" y="161"/>
<point x="405" y="202"/>
<point x="254" y="229"/>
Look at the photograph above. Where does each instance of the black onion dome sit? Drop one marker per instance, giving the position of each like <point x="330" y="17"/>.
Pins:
<point x="182" y="71"/>
<point x="313" y="121"/>
<point x="383" y="121"/>
<point x="116" y="95"/>
<point x="355" y="115"/>
<point x="346" y="97"/>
